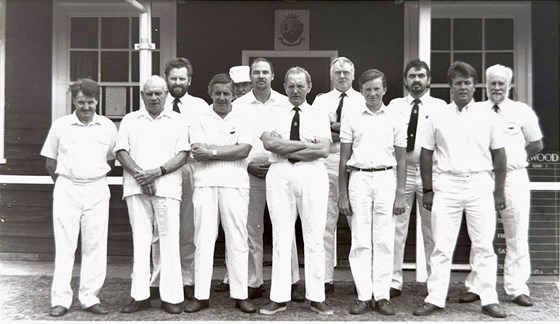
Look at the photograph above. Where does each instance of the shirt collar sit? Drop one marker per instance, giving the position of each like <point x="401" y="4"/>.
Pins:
<point x="381" y="110"/>
<point x="94" y="121"/>
<point x="410" y="98"/>
<point x="465" y="108"/>
<point x="143" y="112"/>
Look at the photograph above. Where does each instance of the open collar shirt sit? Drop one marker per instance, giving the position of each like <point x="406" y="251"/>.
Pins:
<point x="373" y="137"/>
<point x="151" y="142"/>
<point x="462" y="140"/>
<point x="81" y="151"/>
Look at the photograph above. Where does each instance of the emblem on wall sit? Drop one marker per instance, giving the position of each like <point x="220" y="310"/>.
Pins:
<point x="291" y="30"/>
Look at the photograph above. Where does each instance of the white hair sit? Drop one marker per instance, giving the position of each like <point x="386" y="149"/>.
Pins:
<point x="501" y="71"/>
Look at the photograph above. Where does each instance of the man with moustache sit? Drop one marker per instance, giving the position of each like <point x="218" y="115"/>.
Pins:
<point x="178" y="75"/>
<point x="221" y="141"/>
<point x="241" y="80"/>
<point x="298" y="138"/>
<point x="523" y="139"/>
<point x="260" y="103"/>
<point x="468" y="145"/>
<point x="371" y="191"/>
<point x="415" y="108"/>
<point x="79" y="154"/>
<point x="152" y="146"/>
<point x="336" y="103"/>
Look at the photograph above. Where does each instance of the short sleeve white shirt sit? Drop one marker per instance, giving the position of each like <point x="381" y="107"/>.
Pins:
<point x="373" y="137"/>
<point x="150" y="143"/>
<point x="81" y="151"/>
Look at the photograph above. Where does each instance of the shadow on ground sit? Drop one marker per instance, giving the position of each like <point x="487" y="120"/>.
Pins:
<point x="28" y="298"/>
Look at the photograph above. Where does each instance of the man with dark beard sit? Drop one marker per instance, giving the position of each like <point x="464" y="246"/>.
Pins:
<point x="178" y="76"/>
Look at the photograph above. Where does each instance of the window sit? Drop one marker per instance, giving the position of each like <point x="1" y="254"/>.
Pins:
<point x="2" y="76"/>
<point x="96" y="40"/>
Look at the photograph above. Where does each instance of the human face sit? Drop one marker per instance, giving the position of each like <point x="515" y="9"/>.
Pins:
<point x="85" y="107"/>
<point x="297" y="88"/>
<point x="342" y="75"/>
<point x="373" y="92"/>
<point x="417" y="82"/>
<point x="241" y="88"/>
<point x="261" y="76"/>
<point x="497" y="88"/>
<point x="222" y="96"/>
<point x="462" y="90"/>
<point x="154" y="94"/>
<point x="178" y="82"/>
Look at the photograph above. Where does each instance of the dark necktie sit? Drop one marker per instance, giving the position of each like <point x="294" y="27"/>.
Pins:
<point x="176" y="103"/>
<point x="495" y="108"/>
<point x="339" y="108"/>
<point x="412" y="125"/>
<point x="294" y="130"/>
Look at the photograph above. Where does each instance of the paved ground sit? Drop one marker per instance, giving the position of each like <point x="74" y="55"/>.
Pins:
<point x="25" y="294"/>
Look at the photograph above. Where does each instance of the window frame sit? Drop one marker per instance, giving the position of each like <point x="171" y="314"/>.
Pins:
<point x="2" y="79"/>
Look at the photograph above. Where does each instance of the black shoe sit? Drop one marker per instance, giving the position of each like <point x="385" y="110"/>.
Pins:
<point x="523" y="300"/>
<point x="494" y="310"/>
<point x="188" y="292"/>
<point x="221" y="287"/>
<point x="171" y="308"/>
<point x="321" y="308"/>
<point x="384" y="307"/>
<point x="272" y="308"/>
<point x="394" y="292"/>
<point x="359" y="307"/>
<point x="97" y="309"/>
<point x="154" y="293"/>
<point x="468" y="297"/>
<point x="58" y="311"/>
<point x="253" y="293"/>
<point x="196" y="305"/>
<point x="136" y="305"/>
<point x="426" y="309"/>
<point x="298" y="294"/>
<point x="329" y="287"/>
<point x="245" y="306"/>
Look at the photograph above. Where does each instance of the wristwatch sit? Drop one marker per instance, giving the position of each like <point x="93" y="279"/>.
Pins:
<point x="427" y="190"/>
<point x="163" y="170"/>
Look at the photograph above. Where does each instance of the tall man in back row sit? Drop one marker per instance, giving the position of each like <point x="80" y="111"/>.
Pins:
<point x="523" y="139"/>
<point x="336" y="103"/>
<point x="415" y="109"/>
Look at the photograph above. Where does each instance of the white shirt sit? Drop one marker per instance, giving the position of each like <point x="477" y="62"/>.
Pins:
<point x="258" y="114"/>
<point x="373" y="137"/>
<point x="328" y="103"/>
<point x="520" y="126"/>
<point x="462" y="140"/>
<point x="427" y="107"/>
<point x="150" y="143"/>
<point x="211" y="129"/>
<point x="81" y="151"/>
<point x="314" y="125"/>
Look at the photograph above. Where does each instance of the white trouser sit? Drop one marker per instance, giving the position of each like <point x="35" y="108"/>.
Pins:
<point x="413" y="188"/>
<point x="186" y="232"/>
<point x="228" y="205"/>
<point x="291" y="189"/>
<point x="329" y="238"/>
<point x="80" y="207"/>
<point x="255" y="230"/>
<point x="372" y="195"/>
<point x="515" y="220"/>
<point x="473" y="195"/>
<point x="145" y="213"/>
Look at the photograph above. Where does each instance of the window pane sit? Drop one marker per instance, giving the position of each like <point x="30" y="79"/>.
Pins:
<point x="499" y="34"/>
<point x="83" y="65"/>
<point x="115" y="100"/>
<point x="114" y="32"/>
<point x="135" y="98"/>
<point x="136" y="65"/>
<point x="467" y="34"/>
<point x="441" y="93"/>
<point x="155" y="63"/>
<point x="499" y="58"/>
<point x="479" y="94"/>
<point x="441" y="34"/>
<point x="474" y="59"/>
<point x="155" y="31"/>
<point x="439" y="64"/>
<point x="114" y="66"/>
<point x="83" y="32"/>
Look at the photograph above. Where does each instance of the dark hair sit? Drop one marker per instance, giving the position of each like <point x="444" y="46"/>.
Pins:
<point x="86" y="86"/>
<point x="262" y="59"/>
<point x="416" y="64"/>
<point x="460" y="69"/>
<point x="178" y="63"/>
<point x="372" y="74"/>
<point x="222" y="78"/>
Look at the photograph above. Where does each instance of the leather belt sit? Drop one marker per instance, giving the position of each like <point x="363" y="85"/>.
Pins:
<point x="371" y="170"/>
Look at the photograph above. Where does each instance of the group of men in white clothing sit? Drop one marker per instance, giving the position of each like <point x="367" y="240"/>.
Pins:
<point x="190" y="167"/>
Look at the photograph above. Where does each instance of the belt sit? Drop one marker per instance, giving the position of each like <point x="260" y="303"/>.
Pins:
<point x="370" y="170"/>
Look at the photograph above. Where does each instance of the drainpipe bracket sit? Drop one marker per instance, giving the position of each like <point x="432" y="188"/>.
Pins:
<point x="144" y="46"/>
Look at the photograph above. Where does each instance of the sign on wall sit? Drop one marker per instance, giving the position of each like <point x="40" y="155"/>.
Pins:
<point x="291" y="30"/>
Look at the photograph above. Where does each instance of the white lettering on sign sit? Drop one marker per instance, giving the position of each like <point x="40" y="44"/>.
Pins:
<point x="545" y="157"/>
